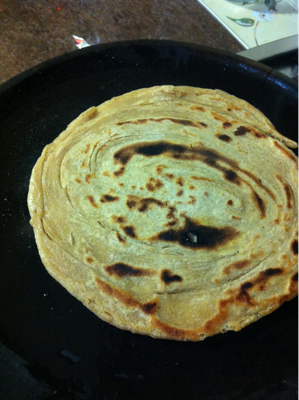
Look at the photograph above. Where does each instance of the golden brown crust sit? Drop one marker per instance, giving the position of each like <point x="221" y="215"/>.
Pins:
<point x="170" y="212"/>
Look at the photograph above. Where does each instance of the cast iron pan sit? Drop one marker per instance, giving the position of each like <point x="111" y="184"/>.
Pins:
<point x="54" y="348"/>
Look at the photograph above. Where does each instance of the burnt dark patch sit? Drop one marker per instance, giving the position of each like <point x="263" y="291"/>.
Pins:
<point x="170" y="223"/>
<point x="149" y="308"/>
<point x="203" y="124"/>
<point x="167" y="277"/>
<point x="238" y="265"/>
<point x="151" y="200"/>
<point x="286" y="152"/>
<point x="201" y="178"/>
<point x="243" y="295"/>
<point x="229" y="203"/>
<point x="259" y="204"/>
<point x="150" y="187"/>
<point x="231" y="176"/>
<point x="259" y="135"/>
<point x="121" y="270"/>
<point x="169" y="176"/>
<point x="92" y="201"/>
<point x="180" y="181"/>
<point x="196" y="236"/>
<point x="159" y="169"/>
<point x="246" y="285"/>
<point x="89" y="260"/>
<point x="158" y="184"/>
<point x="131" y="203"/>
<point x="179" y="152"/>
<point x="119" y="172"/>
<point x="136" y="122"/>
<point x="288" y="192"/>
<point x="273" y="271"/>
<point x="295" y="277"/>
<point x="192" y="200"/>
<point x="143" y="208"/>
<point x="170" y="213"/>
<point x="106" y="198"/>
<point x="130" y="231"/>
<point x="120" y="238"/>
<point x="241" y="130"/>
<point x="179" y="193"/>
<point x="226" y="125"/>
<point x="210" y="156"/>
<point x="184" y="122"/>
<point x="147" y="201"/>
<point x="224" y="138"/>
<point x="294" y="247"/>
<point x="143" y="203"/>
<point x="154" y="184"/>
<point x="88" y="178"/>
<point x="124" y="155"/>
<point x="152" y="150"/>
<point x="125" y="298"/>
<point x="259" y="183"/>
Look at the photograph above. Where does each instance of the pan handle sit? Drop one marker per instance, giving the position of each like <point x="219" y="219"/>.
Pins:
<point x="281" y="55"/>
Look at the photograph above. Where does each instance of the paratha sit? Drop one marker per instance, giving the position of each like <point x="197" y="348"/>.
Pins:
<point x="170" y="212"/>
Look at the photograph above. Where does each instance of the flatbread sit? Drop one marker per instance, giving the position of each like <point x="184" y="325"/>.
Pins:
<point x="170" y="212"/>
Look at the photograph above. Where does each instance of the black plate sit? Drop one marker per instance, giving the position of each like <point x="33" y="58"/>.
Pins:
<point x="67" y="352"/>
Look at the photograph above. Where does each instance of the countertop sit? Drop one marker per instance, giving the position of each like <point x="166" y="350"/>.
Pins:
<point x="256" y="22"/>
<point x="33" y="31"/>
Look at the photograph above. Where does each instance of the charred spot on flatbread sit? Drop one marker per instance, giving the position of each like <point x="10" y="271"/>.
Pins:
<point x="170" y="212"/>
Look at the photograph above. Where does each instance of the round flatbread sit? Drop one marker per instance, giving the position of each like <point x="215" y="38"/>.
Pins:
<point x="170" y="212"/>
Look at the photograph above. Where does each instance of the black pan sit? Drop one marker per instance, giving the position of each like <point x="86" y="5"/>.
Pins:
<point x="52" y="346"/>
